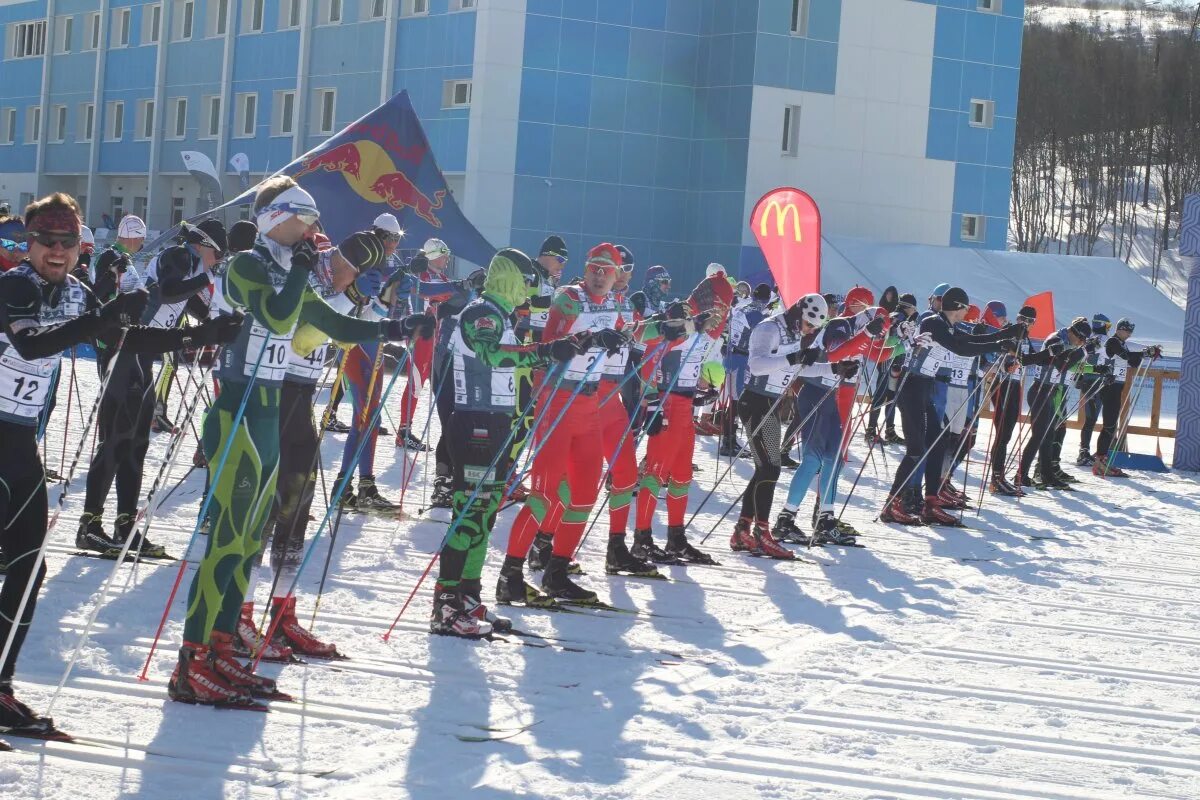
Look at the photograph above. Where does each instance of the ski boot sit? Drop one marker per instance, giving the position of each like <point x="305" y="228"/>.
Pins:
<point x="619" y="561"/>
<point x="471" y="590"/>
<point x="950" y="500"/>
<point x="891" y="437"/>
<point x="1000" y="486"/>
<point x="826" y="532"/>
<point x="542" y="550"/>
<point x="450" y="616"/>
<point x="250" y="639"/>
<point x="1103" y="468"/>
<point x="730" y="448"/>
<point x="161" y="423"/>
<point x="846" y="529"/>
<point x="348" y="501"/>
<point x="383" y="430"/>
<point x="559" y="586"/>
<point x="226" y="664"/>
<point x="787" y="462"/>
<point x="742" y="540"/>
<point x="205" y="527"/>
<point x="785" y="529"/>
<point x="19" y="719"/>
<point x="52" y="476"/>
<point x="289" y="631"/>
<point x="91" y="535"/>
<point x="1062" y="476"/>
<point x="511" y="589"/>
<point x="934" y="514"/>
<point x="199" y="460"/>
<point x="335" y="425"/>
<point x="766" y="544"/>
<point x="871" y="436"/>
<point x="1084" y="459"/>
<point x="196" y="680"/>
<point x="369" y="498"/>
<point x="897" y="512"/>
<point x="443" y="496"/>
<point x="409" y="441"/>
<point x="1022" y="481"/>
<point x="679" y="548"/>
<point x="646" y="549"/>
<point x="123" y="529"/>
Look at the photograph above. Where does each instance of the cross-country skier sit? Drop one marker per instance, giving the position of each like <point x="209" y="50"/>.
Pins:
<point x="891" y="372"/>
<point x="745" y="318"/>
<point x="1119" y="359"/>
<point x="429" y="267"/>
<point x="1006" y="392"/>
<point x="1091" y="390"/>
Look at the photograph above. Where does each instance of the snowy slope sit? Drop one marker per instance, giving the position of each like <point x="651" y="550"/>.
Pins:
<point x="981" y="663"/>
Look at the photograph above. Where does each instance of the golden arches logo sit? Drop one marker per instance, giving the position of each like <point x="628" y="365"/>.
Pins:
<point x="782" y="212"/>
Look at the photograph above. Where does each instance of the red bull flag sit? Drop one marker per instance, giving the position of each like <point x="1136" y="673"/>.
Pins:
<point x="382" y="163"/>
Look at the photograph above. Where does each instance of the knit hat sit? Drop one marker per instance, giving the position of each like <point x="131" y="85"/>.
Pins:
<point x="214" y="232"/>
<point x="131" y="227"/>
<point x="940" y="290"/>
<point x="388" y="224"/>
<point x="908" y="299"/>
<point x="762" y="293"/>
<point x="364" y="250"/>
<point x="242" y="235"/>
<point x="604" y="256"/>
<point x="1028" y="312"/>
<point x="1081" y="327"/>
<point x="954" y="299"/>
<point x="859" y="294"/>
<point x="505" y="282"/>
<point x="993" y="312"/>
<point x="626" y="258"/>
<point x="554" y="246"/>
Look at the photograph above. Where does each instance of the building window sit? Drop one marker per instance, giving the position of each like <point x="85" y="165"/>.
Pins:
<point x="991" y="6"/>
<point x="456" y="94"/>
<point x="27" y="39"/>
<point x="120" y="25"/>
<point x="87" y="122"/>
<point x="118" y="206"/>
<point x="247" y="115"/>
<point x="184" y="20"/>
<point x="466" y="4"/>
<point x="92" y="32"/>
<point x="66" y="26"/>
<point x="116" y="120"/>
<point x="331" y="12"/>
<point x="289" y="13"/>
<point x="178" y="123"/>
<point x="375" y="9"/>
<point x="58" y="115"/>
<point x="139" y="207"/>
<point x="791" y="130"/>
<point x="33" y="125"/>
<point x="218" y="17"/>
<point x="254" y="10"/>
<point x="972" y="228"/>
<point x="212" y="117"/>
<point x="176" y="210"/>
<point x="800" y="17"/>
<point x="145" y="120"/>
<point x="414" y="7"/>
<point x="324" y="108"/>
<point x="8" y="125"/>
<point x="283" y="111"/>
<point x="983" y="113"/>
<point x="151" y="24"/>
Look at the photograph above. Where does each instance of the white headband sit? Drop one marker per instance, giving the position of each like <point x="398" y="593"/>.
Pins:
<point x="288" y="204"/>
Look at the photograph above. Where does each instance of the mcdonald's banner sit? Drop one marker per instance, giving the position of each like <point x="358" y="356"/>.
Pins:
<point x="787" y="224"/>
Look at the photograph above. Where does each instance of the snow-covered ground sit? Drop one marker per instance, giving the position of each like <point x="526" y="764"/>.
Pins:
<point x="1048" y="651"/>
<point x="1147" y="19"/>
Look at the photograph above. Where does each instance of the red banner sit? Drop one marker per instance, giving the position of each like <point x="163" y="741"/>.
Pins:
<point x="1043" y="326"/>
<point x="787" y="224"/>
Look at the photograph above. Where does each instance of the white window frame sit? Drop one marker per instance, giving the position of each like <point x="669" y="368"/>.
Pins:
<point x="973" y="228"/>
<point x="414" y="8"/>
<point x="257" y="8"/>
<point x="798" y="22"/>
<point x="210" y="111"/>
<point x="185" y="21"/>
<point x="144" y="130"/>
<point x="370" y="7"/>
<point x="58" y="115"/>
<point x="990" y="6"/>
<point x="322" y="115"/>
<point x="27" y="39"/>
<point x="466" y="5"/>
<point x="289" y="10"/>
<point x="87" y="122"/>
<point x="333" y="12"/>
<point x="450" y="92"/>
<point x="279" y="101"/>
<point x="151" y="23"/>
<point x="981" y="113"/>
<point x="64" y="32"/>
<point x="91" y="31"/>
<point x="172" y="129"/>
<point x="790" y="141"/>
<point x="33" y="124"/>
<point x="139" y="206"/>
<point x="246" y="115"/>
<point x="8" y="125"/>
<point x="117" y="205"/>
<point x="114" y="113"/>
<point x="122" y="24"/>
<point x="217" y="26"/>
<point x="177" y="208"/>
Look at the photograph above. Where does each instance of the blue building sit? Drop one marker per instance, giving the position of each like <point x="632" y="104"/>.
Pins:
<point x="655" y="123"/>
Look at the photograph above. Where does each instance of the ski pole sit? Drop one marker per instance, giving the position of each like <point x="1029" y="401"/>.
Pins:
<point x="870" y="449"/>
<point x="62" y="458"/>
<point x="1055" y="420"/>
<point x="407" y="471"/>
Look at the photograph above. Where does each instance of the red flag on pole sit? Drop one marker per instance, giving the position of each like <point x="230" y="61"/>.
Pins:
<point x="787" y="224"/>
<point x="1044" y="305"/>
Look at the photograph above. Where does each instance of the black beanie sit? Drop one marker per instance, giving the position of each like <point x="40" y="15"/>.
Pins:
<point x="215" y="231"/>
<point x="762" y="293"/>
<point x="954" y="299"/>
<point x="363" y="250"/>
<point x="1081" y="327"/>
<point x="1028" y="312"/>
<point x="553" y="246"/>
<point x="908" y="299"/>
<point x="242" y="235"/>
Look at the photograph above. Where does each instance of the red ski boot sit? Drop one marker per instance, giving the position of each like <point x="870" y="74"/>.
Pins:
<point x="251" y="639"/>
<point x="224" y="663"/>
<point x="1102" y="469"/>
<point x="895" y="512"/>
<point x="195" y="680"/>
<point x="934" y="514"/>
<point x="767" y="546"/>
<point x="949" y="500"/>
<point x="300" y="640"/>
<point x="743" y="540"/>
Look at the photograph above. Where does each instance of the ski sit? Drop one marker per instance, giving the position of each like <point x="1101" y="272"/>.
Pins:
<point x="44" y="733"/>
<point x="650" y="576"/>
<point x="489" y="734"/>
<point x="129" y="557"/>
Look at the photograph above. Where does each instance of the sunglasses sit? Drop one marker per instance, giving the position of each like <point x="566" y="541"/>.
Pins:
<point x="67" y="240"/>
<point x="308" y="218"/>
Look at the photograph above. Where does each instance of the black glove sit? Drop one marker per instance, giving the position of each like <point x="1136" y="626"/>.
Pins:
<point x="612" y="341"/>
<point x="1015" y="330"/>
<point x="428" y="324"/>
<point x="677" y="310"/>
<point x="1009" y="346"/>
<point x="539" y="302"/>
<point x="875" y="327"/>
<point x="1101" y="369"/>
<point x="638" y="301"/>
<point x="653" y="424"/>
<point x="582" y="341"/>
<point x="119" y="265"/>
<point x="1153" y="352"/>
<point x="558" y="350"/>
<point x="845" y="369"/>
<point x="395" y="330"/>
<point x="125" y="309"/>
<point x="222" y="330"/>
<point x="804" y="358"/>
<point x="673" y="329"/>
<point x="304" y="254"/>
<point x="703" y="398"/>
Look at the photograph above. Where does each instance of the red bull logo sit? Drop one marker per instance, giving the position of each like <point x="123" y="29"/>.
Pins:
<point x="371" y="173"/>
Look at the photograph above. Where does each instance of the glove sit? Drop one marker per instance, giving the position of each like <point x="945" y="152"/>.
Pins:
<point x="1153" y="352"/>
<point x="845" y="369"/>
<point x="365" y="286"/>
<point x="119" y="265"/>
<point x="875" y="327"/>
<point x="677" y="310"/>
<point x="558" y="350"/>
<point x="612" y="341"/>
<point x="582" y="341"/>
<point x="222" y="330"/>
<point x="1101" y="369"/>
<point x="1009" y="346"/>
<point x="428" y="324"/>
<point x="923" y="340"/>
<point x="804" y="358"/>
<point x="304" y="254"/>
<point x="654" y="419"/>
<point x="703" y="398"/>
<point x="395" y="330"/>
<point x="673" y="329"/>
<point x="1015" y="330"/>
<point x="638" y="301"/>
<point x="125" y="309"/>
<point x="907" y="329"/>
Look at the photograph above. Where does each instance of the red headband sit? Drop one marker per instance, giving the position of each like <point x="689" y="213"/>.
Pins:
<point x="56" y="219"/>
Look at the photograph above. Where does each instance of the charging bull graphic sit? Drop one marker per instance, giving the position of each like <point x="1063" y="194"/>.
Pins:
<point x="399" y="192"/>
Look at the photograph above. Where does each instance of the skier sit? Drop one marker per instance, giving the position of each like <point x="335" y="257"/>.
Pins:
<point x="745" y="318"/>
<point x="178" y="281"/>
<point x="429" y="267"/>
<point x="44" y="311"/>
<point x="889" y="379"/>
<point x="678" y="386"/>
<point x="1119" y="359"/>
<point x="936" y="340"/>
<point x="486" y="355"/>
<point x="271" y="283"/>
<point x="1006" y="394"/>
<point x="1091" y="389"/>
